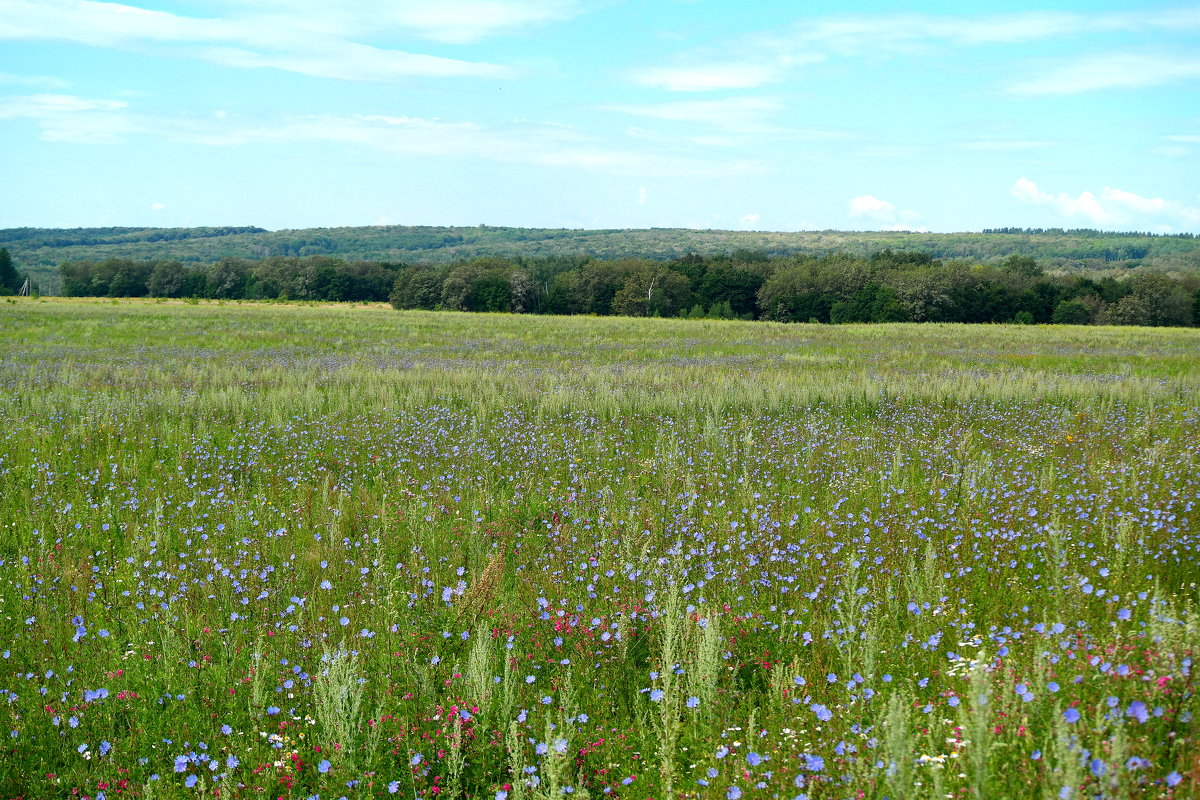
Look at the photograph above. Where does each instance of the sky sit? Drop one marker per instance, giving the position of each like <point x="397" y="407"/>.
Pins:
<point x="746" y="115"/>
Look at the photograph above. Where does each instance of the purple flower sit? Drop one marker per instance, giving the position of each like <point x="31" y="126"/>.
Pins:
<point x="1137" y="710"/>
<point x="1071" y="715"/>
<point x="324" y="766"/>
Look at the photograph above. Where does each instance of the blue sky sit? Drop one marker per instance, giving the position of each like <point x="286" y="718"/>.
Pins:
<point x="600" y="113"/>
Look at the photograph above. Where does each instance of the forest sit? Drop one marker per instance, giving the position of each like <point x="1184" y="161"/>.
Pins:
<point x="39" y="251"/>
<point x="885" y="286"/>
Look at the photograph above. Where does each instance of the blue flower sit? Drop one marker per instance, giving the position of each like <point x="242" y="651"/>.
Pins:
<point x="692" y="702"/>
<point x="324" y="766"/>
<point x="656" y="695"/>
<point x="1071" y="715"/>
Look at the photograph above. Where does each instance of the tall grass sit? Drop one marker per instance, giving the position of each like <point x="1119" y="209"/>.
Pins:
<point x="266" y="550"/>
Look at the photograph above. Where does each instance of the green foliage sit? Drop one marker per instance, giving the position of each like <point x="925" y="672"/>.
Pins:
<point x="1154" y="300"/>
<point x="1072" y="312"/>
<point x="889" y="286"/>
<point x="10" y="280"/>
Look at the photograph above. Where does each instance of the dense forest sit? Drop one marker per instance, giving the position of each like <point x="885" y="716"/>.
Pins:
<point x="885" y="286"/>
<point x="39" y="251"/>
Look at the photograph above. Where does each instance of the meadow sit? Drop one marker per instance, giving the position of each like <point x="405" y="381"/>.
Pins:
<point x="266" y="550"/>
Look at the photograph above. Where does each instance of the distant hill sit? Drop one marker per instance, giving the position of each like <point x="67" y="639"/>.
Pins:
<point x="40" y="250"/>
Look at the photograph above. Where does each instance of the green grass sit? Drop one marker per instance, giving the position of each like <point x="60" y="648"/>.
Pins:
<point x="631" y="551"/>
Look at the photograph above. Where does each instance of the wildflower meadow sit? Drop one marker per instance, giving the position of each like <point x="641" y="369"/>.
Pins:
<point x="294" y="551"/>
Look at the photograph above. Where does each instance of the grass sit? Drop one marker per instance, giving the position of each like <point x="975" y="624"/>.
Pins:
<point x="281" y="550"/>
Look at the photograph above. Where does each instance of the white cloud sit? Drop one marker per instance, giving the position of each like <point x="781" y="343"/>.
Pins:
<point x="37" y="105"/>
<point x="749" y="221"/>
<point x="642" y="196"/>
<point x="739" y="113"/>
<point x="1004" y="145"/>
<point x="1111" y="71"/>
<point x="770" y="56"/>
<point x="1111" y="207"/>
<point x="283" y="41"/>
<point x="39" y="81"/>
<point x="870" y="207"/>
<point x="707" y="77"/>
<point x="449" y="21"/>
<point x="66" y="118"/>
<point x="158" y="206"/>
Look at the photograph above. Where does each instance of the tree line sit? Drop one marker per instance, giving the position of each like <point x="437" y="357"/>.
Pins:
<point x="886" y="286"/>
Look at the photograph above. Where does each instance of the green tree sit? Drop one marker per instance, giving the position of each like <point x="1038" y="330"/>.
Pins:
<point x="1156" y="300"/>
<point x="653" y="291"/>
<point x="1072" y="312"/>
<point x="10" y="280"/>
<point x="167" y="279"/>
<point x="417" y="287"/>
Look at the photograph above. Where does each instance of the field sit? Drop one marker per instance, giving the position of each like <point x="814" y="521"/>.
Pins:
<point x="287" y="551"/>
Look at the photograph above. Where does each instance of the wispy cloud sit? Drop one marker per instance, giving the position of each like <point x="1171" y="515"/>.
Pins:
<point x="67" y="118"/>
<point x="279" y="41"/>
<point x="1004" y="145"/>
<point x="1111" y="71"/>
<point x="736" y="113"/>
<point x="771" y="56"/>
<point x="706" y="77"/>
<point x="447" y="21"/>
<point x="1111" y="207"/>
<point x="749" y="222"/>
<point x="64" y="117"/>
<point x="36" y="81"/>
